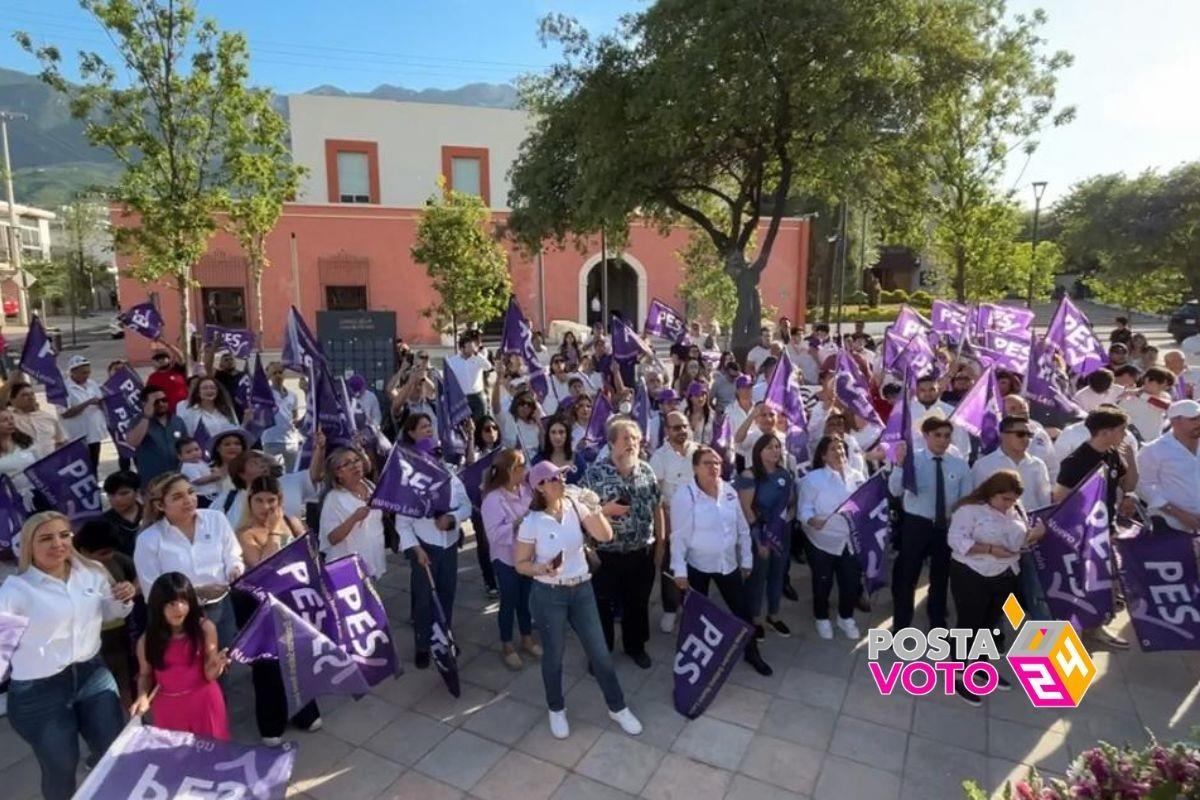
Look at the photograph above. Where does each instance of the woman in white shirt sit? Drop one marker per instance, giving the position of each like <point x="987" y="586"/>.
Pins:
<point x="16" y="454"/>
<point x="522" y="426"/>
<point x="578" y="416"/>
<point x="822" y="491"/>
<point x="550" y="549"/>
<point x="60" y="687"/>
<point x="700" y="413"/>
<point x="198" y="542"/>
<point x="987" y="532"/>
<point x="208" y="402"/>
<point x="710" y="541"/>
<point x="282" y="440"/>
<point x="348" y="523"/>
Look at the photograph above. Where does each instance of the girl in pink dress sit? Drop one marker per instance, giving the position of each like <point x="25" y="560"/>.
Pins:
<point x="178" y="655"/>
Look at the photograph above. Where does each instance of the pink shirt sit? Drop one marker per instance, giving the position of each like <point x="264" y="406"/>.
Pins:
<point x="501" y="510"/>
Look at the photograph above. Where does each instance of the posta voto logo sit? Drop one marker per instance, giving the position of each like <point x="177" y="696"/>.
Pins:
<point x="1047" y="657"/>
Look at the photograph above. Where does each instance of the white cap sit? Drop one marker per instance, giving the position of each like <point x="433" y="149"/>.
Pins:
<point x="77" y="361"/>
<point x="1187" y="409"/>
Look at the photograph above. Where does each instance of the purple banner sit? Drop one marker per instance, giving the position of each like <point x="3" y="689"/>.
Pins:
<point x="710" y="644"/>
<point x="453" y="440"/>
<point x="457" y="410"/>
<point x="1162" y="589"/>
<point x="1072" y="334"/>
<point x="327" y="402"/>
<point x="664" y="322"/>
<point x="1002" y="319"/>
<point x="412" y="484"/>
<point x="38" y="362"/>
<point x="154" y="763"/>
<point x="950" y="319"/>
<point x="909" y="324"/>
<point x="365" y="631"/>
<point x="596" y="434"/>
<point x="918" y="358"/>
<point x="722" y="442"/>
<point x="1072" y="560"/>
<point x="472" y="477"/>
<point x="908" y="473"/>
<point x="866" y="512"/>
<point x="12" y="513"/>
<point x="1042" y="386"/>
<point x="979" y="412"/>
<point x="204" y="439"/>
<point x="783" y="395"/>
<point x="144" y="319"/>
<point x="442" y="649"/>
<point x="238" y="341"/>
<point x="1012" y="350"/>
<point x="300" y="348"/>
<point x="852" y="389"/>
<point x="293" y="576"/>
<point x="12" y="626"/>
<point x="122" y="406"/>
<point x="627" y="346"/>
<point x="66" y="479"/>
<point x="893" y="344"/>
<point x="260" y="401"/>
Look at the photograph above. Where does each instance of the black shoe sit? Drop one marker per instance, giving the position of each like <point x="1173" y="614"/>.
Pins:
<point x="780" y="628"/>
<point x="969" y="697"/>
<point x="1003" y="684"/>
<point x="422" y="659"/>
<point x="863" y="604"/>
<point x="790" y="593"/>
<point x="641" y="659"/>
<point x="755" y="660"/>
<point x="759" y="633"/>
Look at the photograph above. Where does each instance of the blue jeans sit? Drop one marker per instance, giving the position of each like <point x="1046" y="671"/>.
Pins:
<point x="553" y="608"/>
<point x="514" y="601"/>
<point x="220" y="614"/>
<point x="767" y="577"/>
<point x="51" y="713"/>
<point x="1033" y="597"/>
<point x="443" y="563"/>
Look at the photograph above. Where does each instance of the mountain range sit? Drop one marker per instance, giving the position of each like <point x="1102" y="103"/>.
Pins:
<point x="51" y="159"/>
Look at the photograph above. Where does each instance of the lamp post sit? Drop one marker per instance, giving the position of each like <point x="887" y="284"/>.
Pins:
<point x="1039" y="187"/>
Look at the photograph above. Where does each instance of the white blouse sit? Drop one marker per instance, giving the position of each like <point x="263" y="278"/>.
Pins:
<point x="214" y="421"/>
<point x="14" y="463"/>
<point x="708" y="533"/>
<point x="65" y="617"/>
<point x="213" y="557"/>
<point x="979" y="523"/>
<point x="365" y="538"/>
<point x="550" y="537"/>
<point x="819" y="494"/>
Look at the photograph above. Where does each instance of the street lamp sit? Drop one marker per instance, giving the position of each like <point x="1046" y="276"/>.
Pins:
<point x="1039" y="187"/>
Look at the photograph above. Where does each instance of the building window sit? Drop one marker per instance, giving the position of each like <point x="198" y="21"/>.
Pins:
<point x="346" y="298"/>
<point x="225" y="306"/>
<point x="466" y="170"/>
<point x="352" y="171"/>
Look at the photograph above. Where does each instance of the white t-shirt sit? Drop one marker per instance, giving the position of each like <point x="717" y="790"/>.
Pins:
<point x="214" y="421"/>
<point x="198" y="469"/>
<point x="551" y="537"/>
<point x="469" y="371"/>
<point x="365" y="538"/>
<point x="91" y="424"/>
<point x="757" y="355"/>
<point x="283" y="431"/>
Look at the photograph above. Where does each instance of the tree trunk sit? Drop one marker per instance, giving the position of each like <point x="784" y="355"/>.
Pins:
<point x="960" y="274"/>
<point x="256" y="276"/>
<point x="748" y="318"/>
<point x="183" y="285"/>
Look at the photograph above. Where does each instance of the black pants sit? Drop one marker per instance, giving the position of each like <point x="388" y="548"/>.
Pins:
<point x="624" y="581"/>
<point x="94" y="453"/>
<point x="270" y="703"/>
<point x="668" y="591"/>
<point x="483" y="551"/>
<point x="979" y="600"/>
<point x="920" y="540"/>
<point x="478" y="406"/>
<point x="732" y="587"/>
<point x="825" y="567"/>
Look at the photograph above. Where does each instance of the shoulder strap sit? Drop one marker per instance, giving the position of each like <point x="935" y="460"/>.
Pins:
<point x="230" y="499"/>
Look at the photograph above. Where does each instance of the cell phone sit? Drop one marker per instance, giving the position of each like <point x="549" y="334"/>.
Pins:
<point x="557" y="561"/>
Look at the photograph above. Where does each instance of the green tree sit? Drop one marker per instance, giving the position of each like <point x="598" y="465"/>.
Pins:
<point x="161" y="116"/>
<point x="737" y="104"/>
<point x="1005" y="98"/>
<point x="706" y="289"/>
<point x="468" y="266"/>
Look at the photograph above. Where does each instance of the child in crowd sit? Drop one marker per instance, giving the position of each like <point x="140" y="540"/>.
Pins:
<point x="179" y="655"/>
<point x="123" y="489"/>
<point x="193" y="466"/>
<point x="98" y="540"/>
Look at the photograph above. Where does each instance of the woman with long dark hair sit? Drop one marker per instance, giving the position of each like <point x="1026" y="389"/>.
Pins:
<point x="570" y="350"/>
<point x="179" y="655"/>
<point x="557" y="449"/>
<point x="699" y="413"/>
<point x="766" y="491"/>
<point x="505" y="502"/>
<point x="208" y="402"/>
<point x="486" y="439"/>
<point x="16" y="455"/>
<point x="524" y="424"/>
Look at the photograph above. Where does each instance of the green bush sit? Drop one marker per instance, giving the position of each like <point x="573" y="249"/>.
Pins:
<point x="922" y="298"/>
<point x="858" y="298"/>
<point x="893" y="296"/>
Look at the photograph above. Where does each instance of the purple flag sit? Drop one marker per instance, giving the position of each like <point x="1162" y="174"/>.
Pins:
<point x="597" y="427"/>
<point x="627" y="346"/>
<point x="365" y="631"/>
<point x="66" y="479"/>
<point x="710" y="644"/>
<point x="1002" y="319"/>
<point x="1162" y="589"/>
<point x="908" y="473"/>
<point x="893" y="430"/>
<point x="328" y="403"/>
<point x="204" y="439"/>
<point x="11" y="628"/>
<point x="664" y="321"/>
<point x="300" y="348"/>
<point x="852" y="389"/>
<point x="122" y="406"/>
<point x="457" y="409"/>
<point x="866" y="512"/>
<point x="1042" y="385"/>
<point x="518" y="338"/>
<point x="783" y="395"/>
<point x="454" y="442"/>
<point x="893" y="344"/>
<point x="146" y="762"/>
<point x="979" y="412"/>
<point x="143" y="318"/>
<point x="38" y="361"/>
<point x="950" y="319"/>
<point x="775" y="529"/>
<point x="412" y="484"/>
<point x="918" y="358"/>
<point x="1072" y="560"/>
<point x="472" y="476"/>
<point x="1072" y="334"/>
<point x="12" y="514"/>
<point x="238" y="341"/>
<point x="293" y="576"/>
<point x="442" y="649"/>
<point x="260" y="401"/>
<point x="722" y="442"/>
<point x="1012" y="349"/>
<point x="909" y="324"/>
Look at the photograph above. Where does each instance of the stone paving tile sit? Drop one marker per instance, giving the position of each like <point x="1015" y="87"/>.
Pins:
<point x="942" y="766"/>
<point x="746" y="788"/>
<point x="314" y="763"/>
<point x="505" y="720"/>
<point x="461" y="759"/>
<point x="408" y="738"/>
<point x="577" y="787"/>
<point x="358" y="721"/>
<point x="681" y="778"/>
<point x="620" y="761"/>
<point x="661" y="723"/>
<point x="841" y="778"/>
<point x="539" y="742"/>
<point x="713" y="741"/>
<point x="814" y="688"/>
<point x="964" y="726"/>
<point x="1021" y="743"/>
<point x="799" y="722"/>
<point x="869" y="743"/>
<point x="519" y="777"/>
<point x="413" y="784"/>
<point x="783" y="764"/>
<point x="443" y="706"/>
<point x="740" y="705"/>
<point x="361" y="775"/>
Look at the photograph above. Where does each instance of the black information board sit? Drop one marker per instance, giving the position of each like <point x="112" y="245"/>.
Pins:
<point x="359" y="341"/>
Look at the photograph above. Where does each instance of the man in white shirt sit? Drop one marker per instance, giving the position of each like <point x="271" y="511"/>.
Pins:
<point x="1101" y="389"/>
<point x="470" y="367"/>
<point x="1147" y="407"/>
<point x="760" y="352"/>
<point x="1077" y="433"/>
<point x="672" y="465"/>
<point x="1186" y="378"/>
<point x="1169" y="469"/>
<point x="83" y="418"/>
<point x="1040" y="443"/>
<point x="40" y="425"/>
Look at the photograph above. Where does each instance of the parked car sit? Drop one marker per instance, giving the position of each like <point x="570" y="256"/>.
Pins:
<point x="115" y="329"/>
<point x="1185" y="321"/>
<point x="11" y="307"/>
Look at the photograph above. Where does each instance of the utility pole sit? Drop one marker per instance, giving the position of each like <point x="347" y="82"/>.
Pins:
<point x="1038" y="188"/>
<point x="14" y="222"/>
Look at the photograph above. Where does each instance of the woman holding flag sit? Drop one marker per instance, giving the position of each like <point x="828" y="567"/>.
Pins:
<point x="348" y="523"/>
<point x="765" y="491"/>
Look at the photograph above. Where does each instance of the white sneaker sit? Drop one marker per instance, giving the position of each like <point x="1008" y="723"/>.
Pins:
<point x="824" y="629"/>
<point x="272" y="741"/>
<point x="558" y="724"/>
<point x="628" y="722"/>
<point x="667" y="623"/>
<point x="849" y="627"/>
<point x="316" y="726"/>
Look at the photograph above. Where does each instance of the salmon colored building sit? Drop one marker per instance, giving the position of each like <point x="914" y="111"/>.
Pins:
<point x="347" y="244"/>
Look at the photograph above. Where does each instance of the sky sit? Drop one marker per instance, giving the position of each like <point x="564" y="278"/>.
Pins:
<point x="1133" y="80"/>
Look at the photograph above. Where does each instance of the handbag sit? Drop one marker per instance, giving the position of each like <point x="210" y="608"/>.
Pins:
<point x="589" y="549"/>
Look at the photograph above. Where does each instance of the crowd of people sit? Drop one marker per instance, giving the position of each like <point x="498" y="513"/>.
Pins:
<point x="133" y="612"/>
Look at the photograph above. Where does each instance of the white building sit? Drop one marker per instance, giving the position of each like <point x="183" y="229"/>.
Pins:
<point x="34" y="225"/>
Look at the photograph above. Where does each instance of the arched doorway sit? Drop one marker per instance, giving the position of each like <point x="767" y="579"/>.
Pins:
<point x="626" y="290"/>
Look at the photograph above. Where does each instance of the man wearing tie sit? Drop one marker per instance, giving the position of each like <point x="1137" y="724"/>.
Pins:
<point x="942" y="478"/>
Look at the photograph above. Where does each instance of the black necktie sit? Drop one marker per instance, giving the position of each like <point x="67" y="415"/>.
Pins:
<point x="939" y="502"/>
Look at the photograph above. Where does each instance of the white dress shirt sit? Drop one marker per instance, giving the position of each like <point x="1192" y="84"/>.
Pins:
<point x="757" y="355"/>
<point x="91" y="424"/>
<point x="1147" y="413"/>
<point x="1076" y="434"/>
<point x="1169" y="474"/>
<point x="979" y="523"/>
<point x="819" y="493"/>
<point x="365" y="538"/>
<point x="520" y="435"/>
<point x="469" y="371"/>
<point x="1089" y="399"/>
<point x="672" y="468"/>
<point x="415" y="531"/>
<point x="214" y="421"/>
<point x="213" y="557"/>
<point x="65" y="617"/>
<point x="711" y="534"/>
<point x="1042" y="446"/>
<point x="1034" y="476"/>
<point x="550" y="537"/>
